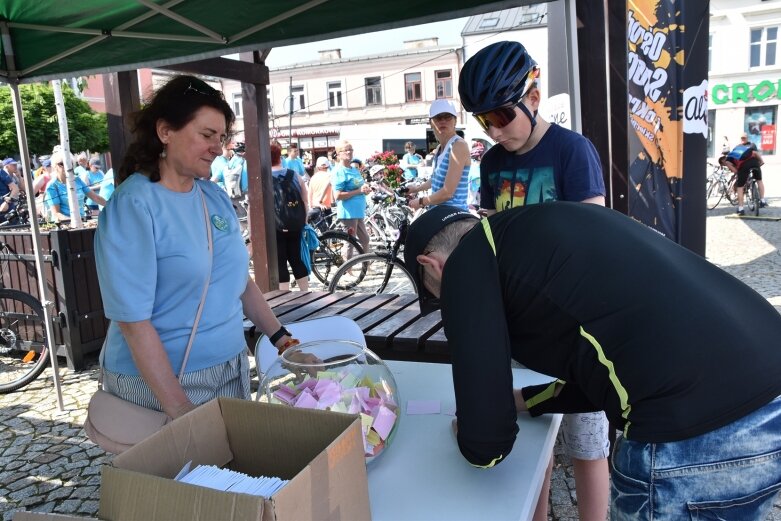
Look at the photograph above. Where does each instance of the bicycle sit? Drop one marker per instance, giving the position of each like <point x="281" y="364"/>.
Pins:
<point x="331" y="253"/>
<point x="751" y="193"/>
<point x="381" y="271"/>
<point x="23" y="351"/>
<point x="720" y="186"/>
<point x="18" y="214"/>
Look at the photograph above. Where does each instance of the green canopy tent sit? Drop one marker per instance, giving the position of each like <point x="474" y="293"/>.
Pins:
<point x="52" y="39"/>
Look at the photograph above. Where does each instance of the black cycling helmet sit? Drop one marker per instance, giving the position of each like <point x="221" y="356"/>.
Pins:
<point x="497" y="75"/>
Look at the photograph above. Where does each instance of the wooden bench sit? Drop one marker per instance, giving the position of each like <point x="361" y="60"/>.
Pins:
<point x="392" y="324"/>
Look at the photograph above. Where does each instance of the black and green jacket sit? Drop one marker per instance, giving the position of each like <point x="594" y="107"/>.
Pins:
<point x="667" y="344"/>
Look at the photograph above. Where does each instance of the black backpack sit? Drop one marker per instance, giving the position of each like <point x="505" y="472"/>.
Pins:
<point x="288" y="204"/>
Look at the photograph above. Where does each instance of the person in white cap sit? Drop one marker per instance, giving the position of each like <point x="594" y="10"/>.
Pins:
<point x="321" y="196"/>
<point x="449" y="180"/>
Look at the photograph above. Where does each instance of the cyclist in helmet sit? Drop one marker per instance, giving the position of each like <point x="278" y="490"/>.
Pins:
<point x="537" y="162"/>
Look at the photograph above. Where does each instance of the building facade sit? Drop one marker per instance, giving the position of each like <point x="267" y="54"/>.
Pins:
<point x="744" y="76"/>
<point x="373" y="101"/>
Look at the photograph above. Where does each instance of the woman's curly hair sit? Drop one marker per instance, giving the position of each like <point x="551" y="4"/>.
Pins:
<point x="176" y="102"/>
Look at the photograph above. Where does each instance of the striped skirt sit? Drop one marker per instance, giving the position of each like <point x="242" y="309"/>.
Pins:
<point x="229" y="378"/>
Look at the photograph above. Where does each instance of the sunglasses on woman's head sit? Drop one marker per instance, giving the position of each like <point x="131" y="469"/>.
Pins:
<point x="203" y="89"/>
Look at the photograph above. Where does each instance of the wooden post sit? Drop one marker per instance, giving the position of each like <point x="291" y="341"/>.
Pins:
<point x="122" y="99"/>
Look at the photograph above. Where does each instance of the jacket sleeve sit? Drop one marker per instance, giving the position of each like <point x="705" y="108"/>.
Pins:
<point x="476" y="329"/>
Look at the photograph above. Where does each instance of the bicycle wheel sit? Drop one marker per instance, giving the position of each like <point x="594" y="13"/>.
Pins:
<point x="23" y="353"/>
<point x="753" y="197"/>
<point x="331" y="252"/>
<point x="714" y="194"/>
<point x="373" y="273"/>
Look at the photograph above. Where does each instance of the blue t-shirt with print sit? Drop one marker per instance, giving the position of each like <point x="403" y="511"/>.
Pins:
<point x="152" y="257"/>
<point x="57" y="193"/>
<point x="347" y="179"/>
<point x="563" y="166"/>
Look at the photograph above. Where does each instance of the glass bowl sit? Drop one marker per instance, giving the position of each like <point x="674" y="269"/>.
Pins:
<point x="340" y="376"/>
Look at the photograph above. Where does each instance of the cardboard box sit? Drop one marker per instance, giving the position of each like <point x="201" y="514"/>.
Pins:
<point x="320" y="452"/>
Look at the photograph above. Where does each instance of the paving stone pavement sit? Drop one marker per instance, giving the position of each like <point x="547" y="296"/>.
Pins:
<point x="47" y="464"/>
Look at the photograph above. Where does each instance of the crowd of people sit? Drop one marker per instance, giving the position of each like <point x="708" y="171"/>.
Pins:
<point x="93" y="186"/>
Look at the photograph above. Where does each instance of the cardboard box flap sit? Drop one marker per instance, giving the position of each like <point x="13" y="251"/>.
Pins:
<point x="198" y="436"/>
<point x="126" y="495"/>
<point x="333" y="486"/>
<point x="40" y="516"/>
<point x="282" y="440"/>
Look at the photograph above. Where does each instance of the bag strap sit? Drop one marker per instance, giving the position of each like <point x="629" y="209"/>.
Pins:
<point x="200" y="305"/>
<point x="205" y="286"/>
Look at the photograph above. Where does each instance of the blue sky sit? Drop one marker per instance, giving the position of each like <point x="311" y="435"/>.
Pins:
<point x="449" y="33"/>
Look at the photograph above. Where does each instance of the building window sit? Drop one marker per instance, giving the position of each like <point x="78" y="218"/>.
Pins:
<point x="710" y="50"/>
<point x="763" y="46"/>
<point x="373" y="91"/>
<point x="412" y="87"/>
<point x="269" y="103"/>
<point x="760" y="126"/>
<point x="237" y="105"/>
<point x="488" y="23"/>
<point x="298" y="100"/>
<point x="335" y="95"/>
<point x="444" y="84"/>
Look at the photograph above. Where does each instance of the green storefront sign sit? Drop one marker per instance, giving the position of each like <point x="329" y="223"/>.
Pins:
<point x="741" y="91"/>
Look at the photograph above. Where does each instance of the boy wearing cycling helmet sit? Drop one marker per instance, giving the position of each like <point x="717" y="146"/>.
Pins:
<point x="538" y="162"/>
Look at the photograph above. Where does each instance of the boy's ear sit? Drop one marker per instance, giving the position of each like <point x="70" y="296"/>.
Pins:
<point x="533" y="97"/>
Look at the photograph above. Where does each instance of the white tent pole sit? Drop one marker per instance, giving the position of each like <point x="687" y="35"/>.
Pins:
<point x="21" y="133"/>
<point x="70" y="182"/>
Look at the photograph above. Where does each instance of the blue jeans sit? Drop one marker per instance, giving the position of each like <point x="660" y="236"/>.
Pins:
<point x="732" y="473"/>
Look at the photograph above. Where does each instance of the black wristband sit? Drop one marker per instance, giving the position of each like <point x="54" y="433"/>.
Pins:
<point x="279" y="334"/>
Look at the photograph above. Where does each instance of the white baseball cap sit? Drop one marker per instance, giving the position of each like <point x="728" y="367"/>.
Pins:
<point x="442" y="106"/>
<point x="322" y="161"/>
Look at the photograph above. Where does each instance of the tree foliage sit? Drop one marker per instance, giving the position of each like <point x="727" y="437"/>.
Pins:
<point x="87" y="129"/>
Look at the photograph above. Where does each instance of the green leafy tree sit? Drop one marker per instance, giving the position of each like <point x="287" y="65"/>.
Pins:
<point x="87" y="129"/>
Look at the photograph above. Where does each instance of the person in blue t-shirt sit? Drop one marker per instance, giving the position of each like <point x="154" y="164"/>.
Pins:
<point x="56" y="198"/>
<point x="9" y="190"/>
<point x="294" y="163"/>
<point x="410" y="161"/>
<point x="93" y="179"/>
<point x="153" y="260"/>
<point x="107" y="185"/>
<point x="81" y="170"/>
<point x="219" y="166"/>
<point x="536" y="162"/>
<point x="350" y="191"/>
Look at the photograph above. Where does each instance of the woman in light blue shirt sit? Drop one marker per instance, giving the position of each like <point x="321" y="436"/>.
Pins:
<point x="153" y="261"/>
<point x="350" y="191"/>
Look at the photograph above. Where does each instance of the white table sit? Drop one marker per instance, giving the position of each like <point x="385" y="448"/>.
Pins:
<point x="424" y="476"/>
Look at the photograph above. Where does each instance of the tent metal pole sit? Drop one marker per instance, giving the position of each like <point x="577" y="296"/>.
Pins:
<point x="21" y="133"/>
